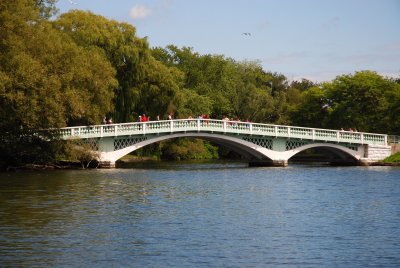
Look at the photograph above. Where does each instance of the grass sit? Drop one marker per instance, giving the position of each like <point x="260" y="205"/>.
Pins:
<point x="134" y="158"/>
<point x="395" y="158"/>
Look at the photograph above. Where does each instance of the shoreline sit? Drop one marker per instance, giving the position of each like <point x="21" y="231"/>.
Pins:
<point x="64" y="165"/>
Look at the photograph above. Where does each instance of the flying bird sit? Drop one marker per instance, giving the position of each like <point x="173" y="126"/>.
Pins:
<point x="248" y="34"/>
<point x="72" y="2"/>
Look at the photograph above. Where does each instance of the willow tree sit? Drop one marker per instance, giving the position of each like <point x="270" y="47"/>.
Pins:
<point x="145" y="85"/>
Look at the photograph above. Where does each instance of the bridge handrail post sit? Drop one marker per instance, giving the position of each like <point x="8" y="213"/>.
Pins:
<point x="224" y="126"/>
<point x="337" y="136"/>
<point x="198" y="125"/>
<point x="276" y="131"/>
<point x="115" y="130"/>
<point x="101" y="131"/>
<point x="171" y="122"/>
<point x="251" y="128"/>
<point x="385" y="139"/>
<point x="362" y="138"/>
<point x="313" y="134"/>
<point x="288" y="132"/>
<point x="144" y="128"/>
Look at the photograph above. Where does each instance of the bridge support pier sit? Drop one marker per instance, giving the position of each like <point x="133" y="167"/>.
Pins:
<point x="266" y="163"/>
<point x="107" y="164"/>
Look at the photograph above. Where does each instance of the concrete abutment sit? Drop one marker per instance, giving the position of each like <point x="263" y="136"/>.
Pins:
<point x="107" y="164"/>
<point x="268" y="163"/>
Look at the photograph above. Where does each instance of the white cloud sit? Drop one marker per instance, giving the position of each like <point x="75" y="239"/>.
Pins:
<point x="139" y="12"/>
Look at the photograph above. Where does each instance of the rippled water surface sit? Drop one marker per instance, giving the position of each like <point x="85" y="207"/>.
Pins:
<point x="202" y="215"/>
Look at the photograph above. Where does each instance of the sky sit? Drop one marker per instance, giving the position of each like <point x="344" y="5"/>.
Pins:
<point x="313" y="39"/>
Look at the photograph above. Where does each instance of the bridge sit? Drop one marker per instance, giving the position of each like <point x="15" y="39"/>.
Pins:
<point x="261" y="144"/>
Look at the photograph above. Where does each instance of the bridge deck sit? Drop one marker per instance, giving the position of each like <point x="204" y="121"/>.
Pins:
<point x="221" y="127"/>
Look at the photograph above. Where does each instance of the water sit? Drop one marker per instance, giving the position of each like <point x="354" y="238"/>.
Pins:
<point x="202" y="215"/>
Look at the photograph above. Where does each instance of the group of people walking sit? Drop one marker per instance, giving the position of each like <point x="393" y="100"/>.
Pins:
<point x="143" y="118"/>
<point x="350" y="130"/>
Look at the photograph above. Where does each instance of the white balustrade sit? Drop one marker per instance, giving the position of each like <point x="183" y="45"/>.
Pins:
<point x="221" y="126"/>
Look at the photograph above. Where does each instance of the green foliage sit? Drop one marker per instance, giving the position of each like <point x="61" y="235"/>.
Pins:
<point x="234" y="89"/>
<point x="49" y="81"/>
<point x="186" y="149"/>
<point x="145" y="85"/>
<point x="365" y="101"/>
<point x="192" y="104"/>
<point x="46" y="80"/>
<point x="19" y="146"/>
<point x="312" y="111"/>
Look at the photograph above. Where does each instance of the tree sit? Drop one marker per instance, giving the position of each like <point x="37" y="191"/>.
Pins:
<point x="192" y="104"/>
<point x="358" y="101"/>
<point x="159" y="90"/>
<point x="46" y="80"/>
<point x="364" y="101"/>
<point x="80" y="151"/>
<point x="313" y="111"/>
<point x="302" y="85"/>
<point x="47" y="8"/>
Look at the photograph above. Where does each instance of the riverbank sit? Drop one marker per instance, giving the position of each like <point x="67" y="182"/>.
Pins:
<point x="47" y="166"/>
<point x="127" y="162"/>
<point x="391" y="164"/>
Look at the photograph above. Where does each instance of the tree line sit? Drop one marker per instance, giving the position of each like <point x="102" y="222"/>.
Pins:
<point x="77" y="67"/>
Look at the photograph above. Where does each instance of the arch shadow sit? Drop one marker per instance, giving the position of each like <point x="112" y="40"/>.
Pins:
<point x="335" y="153"/>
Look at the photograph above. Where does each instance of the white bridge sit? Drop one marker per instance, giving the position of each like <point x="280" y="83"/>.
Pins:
<point x="261" y="144"/>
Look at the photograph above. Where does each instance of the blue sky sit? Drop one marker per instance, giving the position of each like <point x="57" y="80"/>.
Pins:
<point x="313" y="39"/>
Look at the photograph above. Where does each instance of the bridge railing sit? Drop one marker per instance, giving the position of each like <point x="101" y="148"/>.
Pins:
<point x="393" y="139"/>
<point x="221" y="126"/>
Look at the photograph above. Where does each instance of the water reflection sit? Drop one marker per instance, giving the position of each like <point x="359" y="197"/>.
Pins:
<point x="201" y="215"/>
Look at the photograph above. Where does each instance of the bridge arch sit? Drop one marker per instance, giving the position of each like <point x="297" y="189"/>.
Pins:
<point x="247" y="149"/>
<point x="341" y="151"/>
